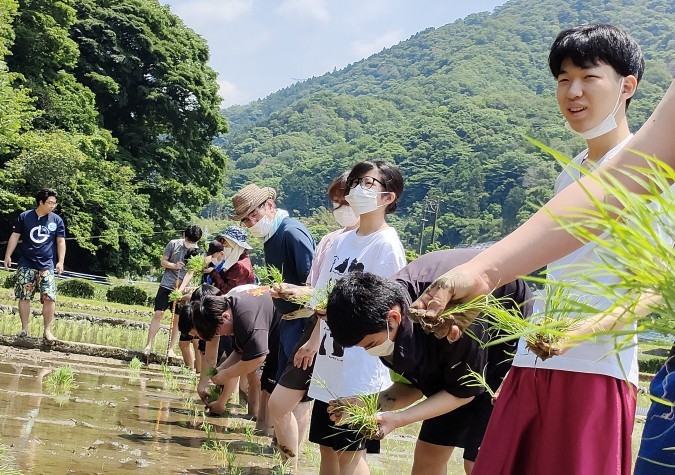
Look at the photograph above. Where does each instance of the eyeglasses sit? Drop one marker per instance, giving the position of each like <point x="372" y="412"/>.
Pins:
<point x="366" y="182"/>
<point x="50" y="202"/>
<point x="253" y="213"/>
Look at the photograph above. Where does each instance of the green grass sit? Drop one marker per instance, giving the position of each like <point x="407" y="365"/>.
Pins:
<point x="60" y="381"/>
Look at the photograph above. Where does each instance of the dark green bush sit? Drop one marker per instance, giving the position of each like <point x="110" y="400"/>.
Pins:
<point x="127" y="294"/>
<point x="9" y="281"/>
<point x="77" y="288"/>
<point x="651" y="365"/>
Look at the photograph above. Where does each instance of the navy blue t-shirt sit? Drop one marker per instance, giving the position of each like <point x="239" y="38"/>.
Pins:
<point x="291" y="249"/>
<point x="38" y="236"/>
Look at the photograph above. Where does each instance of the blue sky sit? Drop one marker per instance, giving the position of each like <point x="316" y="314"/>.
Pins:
<point x="260" y="46"/>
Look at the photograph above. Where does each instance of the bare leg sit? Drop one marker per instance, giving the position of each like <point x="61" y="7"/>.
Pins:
<point x="302" y="413"/>
<point x="152" y="331"/>
<point x="431" y="459"/>
<point x="186" y="351"/>
<point x="468" y="466"/>
<point x="48" y="307"/>
<point x="353" y="463"/>
<point x="263" y="423"/>
<point x="173" y="336"/>
<point x="282" y="403"/>
<point x="24" y="313"/>
<point x="198" y="355"/>
<point x="329" y="461"/>
<point x="253" y="393"/>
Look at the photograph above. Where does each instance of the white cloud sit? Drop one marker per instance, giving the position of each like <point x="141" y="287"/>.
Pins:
<point x="209" y="12"/>
<point x="363" y="49"/>
<point x="231" y="93"/>
<point x="301" y="9"/>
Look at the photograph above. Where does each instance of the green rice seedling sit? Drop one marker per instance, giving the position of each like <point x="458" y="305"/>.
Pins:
<point x="135" y="365"/>
<point x="475" y="379"/>
<point x="270" y="275"/>
<point x="212" y="371"/>
<point x="6" y="463"/>
<point x="357" y="413"/>
<point x="175" y="295"/>
<point x="195" y="264"/>
<point x="61" y="381"/>
<point x="249" y="432"/>
<point x="282" y="468"/>
<point x="213" y="393"/>
<point x="318" y="299"/>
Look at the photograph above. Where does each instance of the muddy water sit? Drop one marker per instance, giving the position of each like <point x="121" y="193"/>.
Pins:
<point x="117" y="421"/>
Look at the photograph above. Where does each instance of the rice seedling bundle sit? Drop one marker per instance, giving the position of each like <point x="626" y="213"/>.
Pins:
<point x="175" y="295"/>
<point x="359" y="415"/>
<point x="196" y="264"/>
<point x="61" y="381"/>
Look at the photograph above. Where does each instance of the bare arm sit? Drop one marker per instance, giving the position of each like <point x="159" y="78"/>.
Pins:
<point x="11" y="246"/>
<point x="397" y="396"/>
<point x="61" y="251"/>
<point x="209" y="361"/>
<point x="540" y="240"/>
<point x="164" y="262"/>
<point x="440" y="403"/>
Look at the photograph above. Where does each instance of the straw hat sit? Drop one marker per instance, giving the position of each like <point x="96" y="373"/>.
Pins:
<point x="249" y="198"/>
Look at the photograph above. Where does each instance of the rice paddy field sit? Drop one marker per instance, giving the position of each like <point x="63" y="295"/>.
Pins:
<point x="79" y="414"/>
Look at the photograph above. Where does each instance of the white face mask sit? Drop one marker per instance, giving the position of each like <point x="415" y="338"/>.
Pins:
<point x="362" y="200"/>
<point x="227" y="251"/>
<point x="262" y="228"/>
<point x="603" y="127"/>
<point x="345" y="216"/>
<point x="385" y="348"/>
<point x="189" y="245"/>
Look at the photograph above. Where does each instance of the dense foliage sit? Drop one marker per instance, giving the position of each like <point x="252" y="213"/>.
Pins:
<point x="451" y="107"/>
<point x="78" y="288"/>
<point x="127" y="294"/>
<point x="112" y="104"/>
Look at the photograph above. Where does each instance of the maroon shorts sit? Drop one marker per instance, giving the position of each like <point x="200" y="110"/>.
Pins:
<point x="559" y="422"/>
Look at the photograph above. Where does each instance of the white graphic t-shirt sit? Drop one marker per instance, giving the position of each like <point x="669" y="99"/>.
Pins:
<point x="338" y="371"/>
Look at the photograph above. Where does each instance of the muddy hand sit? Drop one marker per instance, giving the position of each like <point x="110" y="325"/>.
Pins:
<point x="542" y="350"/>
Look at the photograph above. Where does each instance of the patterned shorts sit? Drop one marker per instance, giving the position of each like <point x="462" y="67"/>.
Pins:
<point x="29" y="280"/>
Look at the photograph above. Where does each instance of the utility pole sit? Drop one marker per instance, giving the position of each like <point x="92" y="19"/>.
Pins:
<point x="436" y="205"/>
<point x="424" y="220"/>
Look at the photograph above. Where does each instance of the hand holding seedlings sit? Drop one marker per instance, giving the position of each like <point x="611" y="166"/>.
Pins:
<point x="357" y="413"/>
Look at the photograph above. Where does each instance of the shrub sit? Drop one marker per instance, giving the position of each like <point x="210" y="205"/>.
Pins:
<point x="77" y="288"/>
<point x="9" y="281"/>
<point x="127" y="294"/>
<point x="651" y="365"/>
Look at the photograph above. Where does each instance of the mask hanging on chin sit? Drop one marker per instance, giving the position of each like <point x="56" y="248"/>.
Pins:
<point x="603" y="127"/>
<point x="262" y="228"/>
<point x="363" y="201"/>
<point x="345" y="216"/>
<point x="189" y="245"/>
<point x="385" y="348"/>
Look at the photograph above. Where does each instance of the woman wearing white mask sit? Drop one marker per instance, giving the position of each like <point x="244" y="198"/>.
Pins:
<point x="232" y="265"/>
<point x="291" y="390"/>
<point x="374" y="189"/>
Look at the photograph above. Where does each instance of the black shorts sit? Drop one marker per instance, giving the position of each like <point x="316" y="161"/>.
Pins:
<point x="322" y="431"/>
<point x="268" y="378"/>
<point x="298" y="378"/>
<point x="162" y="299"/>
<point x="464" y="427"/>
<point x="187" y="337"/>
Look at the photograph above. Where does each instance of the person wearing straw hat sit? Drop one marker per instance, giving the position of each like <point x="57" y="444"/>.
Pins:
<point x="229" y="255"/>
<point x="288" y="246"/>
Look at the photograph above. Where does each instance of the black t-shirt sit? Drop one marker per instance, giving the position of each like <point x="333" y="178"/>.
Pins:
<point x="256" y="324"/>
<point x="433" y="364"/>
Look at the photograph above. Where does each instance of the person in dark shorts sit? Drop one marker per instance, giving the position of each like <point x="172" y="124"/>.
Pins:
<point x="370" y="311"/>
<point x="253" y="322"/>
<point x="173" y="261"/>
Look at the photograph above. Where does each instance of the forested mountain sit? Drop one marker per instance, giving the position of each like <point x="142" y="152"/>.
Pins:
<point x="451" y="107"/>
<point x="112" y="104"/>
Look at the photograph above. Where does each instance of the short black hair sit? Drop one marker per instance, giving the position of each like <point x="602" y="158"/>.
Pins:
<point x="393" y="180"/>
<point x="207" y="314"/>
<point x="358" y="306"/>
<point x="590" y="45"/>
<point x="189" y="253"/>
<point x="193" y="233"/>
<point x="42" y="195"/>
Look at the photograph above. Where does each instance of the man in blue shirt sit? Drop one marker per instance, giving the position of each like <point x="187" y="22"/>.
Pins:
<point x="39" y="229"/>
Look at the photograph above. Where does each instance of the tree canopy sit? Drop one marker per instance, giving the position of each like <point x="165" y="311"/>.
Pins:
<point x="111" y="103"/>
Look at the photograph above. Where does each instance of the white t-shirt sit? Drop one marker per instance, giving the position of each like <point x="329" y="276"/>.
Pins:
<point x="595" y="356"/>
<point x="352" y="371"/>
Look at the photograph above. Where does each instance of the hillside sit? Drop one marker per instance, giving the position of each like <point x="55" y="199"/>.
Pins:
<point x="450" y="106"/>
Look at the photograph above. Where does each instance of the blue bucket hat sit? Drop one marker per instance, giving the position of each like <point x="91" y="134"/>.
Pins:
<point x="235" y="234"/>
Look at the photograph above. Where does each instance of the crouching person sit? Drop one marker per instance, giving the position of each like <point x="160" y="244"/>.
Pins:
<point x="372" y="312"/>
<point x="252" y="321"/>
